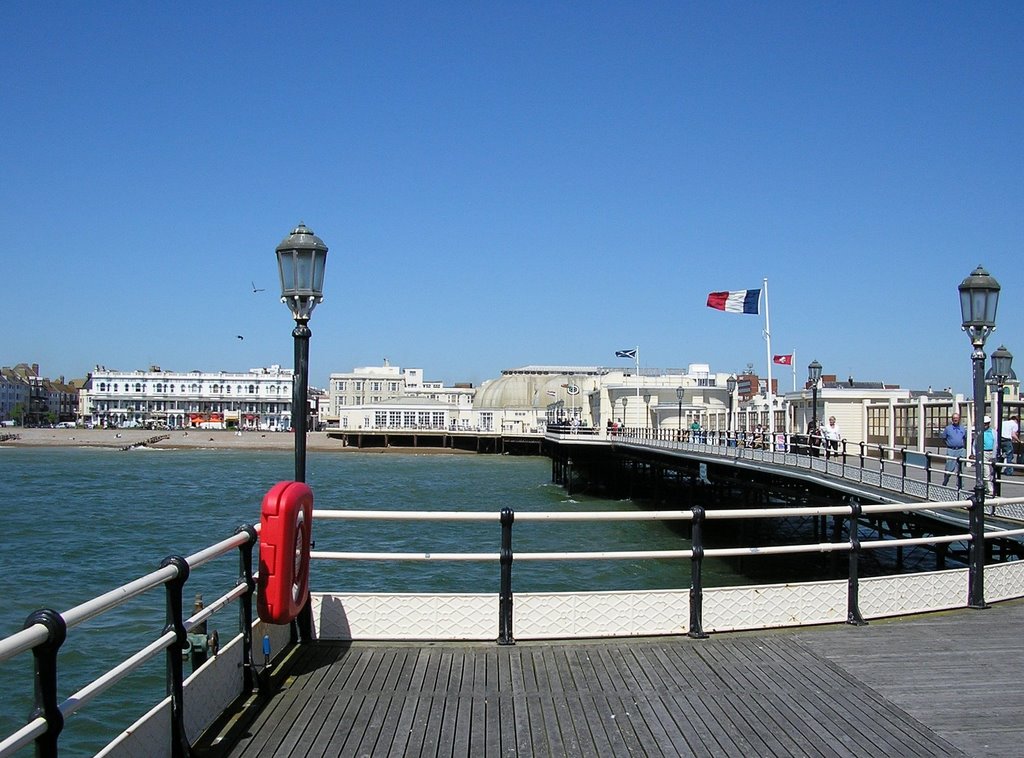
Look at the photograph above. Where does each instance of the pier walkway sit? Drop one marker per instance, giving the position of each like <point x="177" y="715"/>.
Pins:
<point x="936" y="685"/>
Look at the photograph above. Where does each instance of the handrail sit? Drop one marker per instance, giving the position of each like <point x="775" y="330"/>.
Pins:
<point x="45" y="631"/>
<point x="696" y="553"/>
<point x="805" y="453"/>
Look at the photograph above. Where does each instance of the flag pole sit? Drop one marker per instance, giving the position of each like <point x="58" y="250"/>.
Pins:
<point x="636" y="358"/>
<point x="768" y="348"/>
<point x="793" y="366"/>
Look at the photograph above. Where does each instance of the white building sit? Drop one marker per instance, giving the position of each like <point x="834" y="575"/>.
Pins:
<point x="391" y="397"/>
<point x="260" y="398"/>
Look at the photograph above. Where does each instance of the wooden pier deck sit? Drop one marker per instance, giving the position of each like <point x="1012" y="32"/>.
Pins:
<point x="946" y="684"/>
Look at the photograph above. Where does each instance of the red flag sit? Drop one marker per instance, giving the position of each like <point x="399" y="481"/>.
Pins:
<point x="785" y="360"/>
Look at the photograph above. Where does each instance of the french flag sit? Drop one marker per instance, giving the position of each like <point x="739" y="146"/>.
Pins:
<point x="740" y="301"/>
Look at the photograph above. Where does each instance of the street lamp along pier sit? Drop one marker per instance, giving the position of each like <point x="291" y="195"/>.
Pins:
<point x="301" y="261"/>
<point x="979" y="298"/>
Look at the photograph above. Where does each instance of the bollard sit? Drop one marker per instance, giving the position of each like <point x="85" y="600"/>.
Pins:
<point x="197" y="636"/>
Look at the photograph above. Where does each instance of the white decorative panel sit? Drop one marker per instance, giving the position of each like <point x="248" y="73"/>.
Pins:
<point x="768" y="605"/>
<point x="149" y="737"/>
<point x="208" y="691"/>
<point x="871" y="477"/>
<point x="913" y="593"/>
<point x="891" y="482"/>
<point x="405" y="617"/>
<point x="916" y="488"/>
<point x="213" y="687"/>
<point x="1004" y="581"/>
<point x="553" y="615"/>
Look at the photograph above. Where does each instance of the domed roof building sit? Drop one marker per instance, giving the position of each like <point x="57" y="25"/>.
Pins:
<point x="537" y="387"/>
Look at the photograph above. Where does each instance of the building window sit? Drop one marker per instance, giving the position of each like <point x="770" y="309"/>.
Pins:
<point x="393" y="386"/>
<point x="878" y="423"/>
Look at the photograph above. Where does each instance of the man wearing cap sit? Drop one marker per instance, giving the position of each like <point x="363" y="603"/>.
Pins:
<point x="955" y="437"/>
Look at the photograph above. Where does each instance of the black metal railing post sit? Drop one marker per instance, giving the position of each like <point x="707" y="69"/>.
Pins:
<point x="696" y="580"/>
<point x="903" y="469"/>
<point x="45" y="655"/>
<point x="853" y="581"/>
<point x="862" y="456"/>
<point x="976" y="557"/>
<point x="505" y="636"/>
<point x="175" y="671"/>
<point x="245" y="604"/>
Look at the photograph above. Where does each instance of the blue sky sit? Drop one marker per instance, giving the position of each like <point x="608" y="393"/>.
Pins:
<point x="510" y="183"/>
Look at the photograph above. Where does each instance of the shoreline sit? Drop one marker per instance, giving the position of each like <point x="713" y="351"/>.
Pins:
<point x="199" y="439"/>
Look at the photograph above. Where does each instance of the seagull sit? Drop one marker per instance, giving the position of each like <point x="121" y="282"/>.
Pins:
<point x="240" y="336"/>
<point x="255" y="288"/>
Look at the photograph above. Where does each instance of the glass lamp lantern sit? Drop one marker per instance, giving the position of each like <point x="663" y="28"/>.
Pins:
<point x="814" y="373"/>
<point x="979" y="297"/>
<point x="301" y="261"/>
<point x="1002" y="360"/>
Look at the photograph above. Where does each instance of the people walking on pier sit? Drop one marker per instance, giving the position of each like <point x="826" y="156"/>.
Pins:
<point x="955" y="437"/>
<point x="813" y="438"/>
<point x="1009" y="436"/>
<point x="988" y="443"/>
<point x="832" y="436"/>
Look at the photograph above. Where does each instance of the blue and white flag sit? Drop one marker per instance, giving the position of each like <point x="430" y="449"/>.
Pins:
<point x="631" y="354"/>
<point x="740" y="301"/>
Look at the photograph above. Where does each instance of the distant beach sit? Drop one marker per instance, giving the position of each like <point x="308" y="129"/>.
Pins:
<point x="193" y="439"/>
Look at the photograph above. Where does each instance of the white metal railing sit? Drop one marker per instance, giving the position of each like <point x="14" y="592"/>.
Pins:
<point x="853" y="545"/>
<point x="51" y="628"/>
<point x="894" y="469"/>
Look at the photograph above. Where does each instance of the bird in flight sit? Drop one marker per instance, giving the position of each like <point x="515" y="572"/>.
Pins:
<point x="255" y="288"/>
<point x="240" y="336"/>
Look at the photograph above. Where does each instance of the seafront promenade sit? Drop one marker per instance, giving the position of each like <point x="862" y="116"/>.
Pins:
<point x="193" y="439"/>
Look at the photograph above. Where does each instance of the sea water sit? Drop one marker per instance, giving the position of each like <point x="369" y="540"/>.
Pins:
<point x="80" y="522"/>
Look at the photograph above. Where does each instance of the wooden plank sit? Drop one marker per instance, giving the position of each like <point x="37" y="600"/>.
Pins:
<point x="840" y="691"/>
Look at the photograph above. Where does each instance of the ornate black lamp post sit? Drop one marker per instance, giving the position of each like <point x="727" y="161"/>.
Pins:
<point x="1001" y="371"/>
<point x="979" y="296"/>
<point x="679" y="417"/>
<point x="301" y="260"/>
<point x="814" y="376"/>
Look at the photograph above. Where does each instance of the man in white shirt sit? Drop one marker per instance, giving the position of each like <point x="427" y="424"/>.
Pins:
<point x="1009" y="435"/>
<point x="832" y="435"/>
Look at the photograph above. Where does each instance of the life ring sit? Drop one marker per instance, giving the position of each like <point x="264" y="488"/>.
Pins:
<point x="286" y="520"/>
